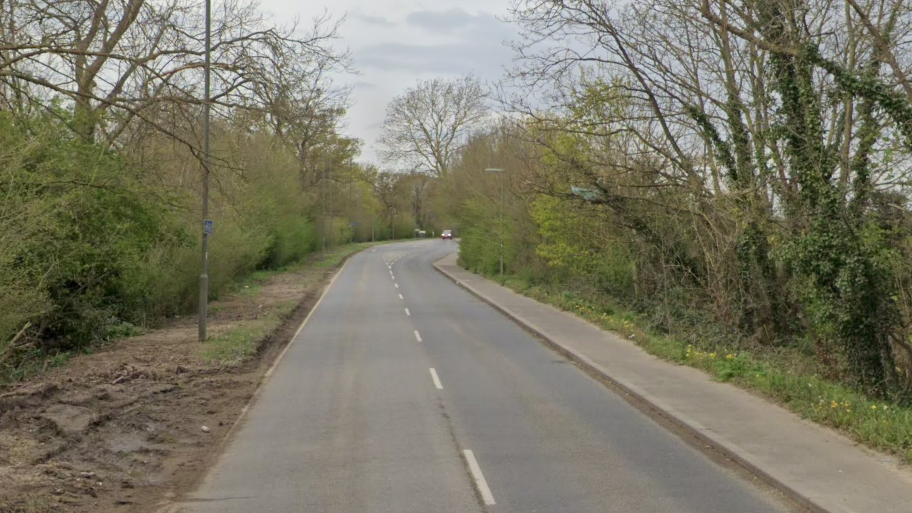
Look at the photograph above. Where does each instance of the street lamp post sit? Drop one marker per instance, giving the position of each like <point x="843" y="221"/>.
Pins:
<point x="323" y="188"/>
<point x="500" y="178"/>
<point x="207" y="225"/>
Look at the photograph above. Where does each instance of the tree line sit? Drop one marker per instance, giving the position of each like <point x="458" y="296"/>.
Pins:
<point x="737" y="172"/>
<point x="101" y="116"/>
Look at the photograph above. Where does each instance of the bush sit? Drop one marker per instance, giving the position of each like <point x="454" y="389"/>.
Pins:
<point x="94" y="243"/>
<point x="292" y="239"/>
<point x="86" y="225"/>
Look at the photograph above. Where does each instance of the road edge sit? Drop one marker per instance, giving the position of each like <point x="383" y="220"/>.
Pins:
<point x="649" y="405"/>
<point x="174" y="503"/>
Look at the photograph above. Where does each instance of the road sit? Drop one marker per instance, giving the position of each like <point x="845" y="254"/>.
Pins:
<point x="403" y="393"/>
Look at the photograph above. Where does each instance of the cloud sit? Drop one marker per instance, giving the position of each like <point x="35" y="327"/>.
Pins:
<point x="435" y="21"/>
<point x="473" y="43"/>
<point x="370" y="19"/>
<point x="453" y="58"/>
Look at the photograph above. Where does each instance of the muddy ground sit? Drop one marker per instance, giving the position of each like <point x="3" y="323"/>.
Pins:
<point x="122" y="429"/>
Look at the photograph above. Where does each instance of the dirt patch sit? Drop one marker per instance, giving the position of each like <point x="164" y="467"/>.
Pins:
<point x="122" y="429"/>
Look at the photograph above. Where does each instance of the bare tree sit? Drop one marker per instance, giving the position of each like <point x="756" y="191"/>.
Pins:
<point x="426" y="125"/>
<point x="720" y="126"/>
<point x="120" y="61"/>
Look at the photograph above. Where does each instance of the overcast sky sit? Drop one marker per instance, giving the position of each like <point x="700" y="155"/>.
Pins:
<point x="396" y="42"/>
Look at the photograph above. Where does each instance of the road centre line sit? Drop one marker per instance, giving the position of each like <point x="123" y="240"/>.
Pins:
<point x="396" y="284"/>
<point x="418" y="336"/>
<point x="436" y="379"/>
<point x="407" y="312"/>
<point x="480" y="482"/>
<point x="400" y="296"/>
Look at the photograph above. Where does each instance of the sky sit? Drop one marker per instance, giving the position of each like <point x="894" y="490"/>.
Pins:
<point x="394" y="43"/>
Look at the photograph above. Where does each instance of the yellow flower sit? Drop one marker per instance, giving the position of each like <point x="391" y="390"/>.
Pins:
<point x="834" y="404"/>
<point x="729" y="357"/>
<point x="873" y="406"/>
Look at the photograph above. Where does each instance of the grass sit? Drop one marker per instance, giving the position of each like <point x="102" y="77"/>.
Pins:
<point x="252" y="283"/>
<point x="334" y="256"/>
<point x="240" y="343"/>
<point x="780" y="376"/>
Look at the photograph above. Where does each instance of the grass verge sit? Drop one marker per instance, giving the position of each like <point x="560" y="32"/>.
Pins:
<point x="252" y="283"/>
<point x="236" y="345"/>
<point x="879" y="425"/>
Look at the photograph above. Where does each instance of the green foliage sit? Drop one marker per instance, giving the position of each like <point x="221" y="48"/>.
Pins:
<point x="566" y="245"/>
<point x="562" y="246"/>
<point x="813" y="260"/>
<point x="837" y="253"/>
<point x="239" y="343"/>
<point x="291" y="239"/>
<point x="847" y="290"/>
<point x="277" y="214"/>
<point x="481" y="237"/>
<point x="96" y="244"/>
<point x="82" y="230"/>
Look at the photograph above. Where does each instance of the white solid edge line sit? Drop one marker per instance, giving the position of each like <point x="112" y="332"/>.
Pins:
<point x="256" y="393"/>
<point x="304" y="322"/>
<point x="418" y="336"/>
<point x="407" y="312"/>
<point x="480" y="482"/>
<point x="436" y="379"/>
<point x="400" y="296"/>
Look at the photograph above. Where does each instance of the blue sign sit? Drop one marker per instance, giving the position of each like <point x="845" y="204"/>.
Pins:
<point x="207" y="226"/>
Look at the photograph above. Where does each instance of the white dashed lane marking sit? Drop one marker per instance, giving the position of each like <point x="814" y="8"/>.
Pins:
<point x="436" y="379"/>
<point x="480" y="482"/>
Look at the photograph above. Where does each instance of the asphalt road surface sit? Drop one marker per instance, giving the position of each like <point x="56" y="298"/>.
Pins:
<point x="403" y="393"/>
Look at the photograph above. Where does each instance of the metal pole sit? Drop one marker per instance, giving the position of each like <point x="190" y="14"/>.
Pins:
<point x="323" y="197"/>
<point x="204" y="266"/>
<point x="501" y="227"/>
<point x="332" y="231"/>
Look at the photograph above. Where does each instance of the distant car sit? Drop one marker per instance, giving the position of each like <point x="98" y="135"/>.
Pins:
<point x="447" y="234"/>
